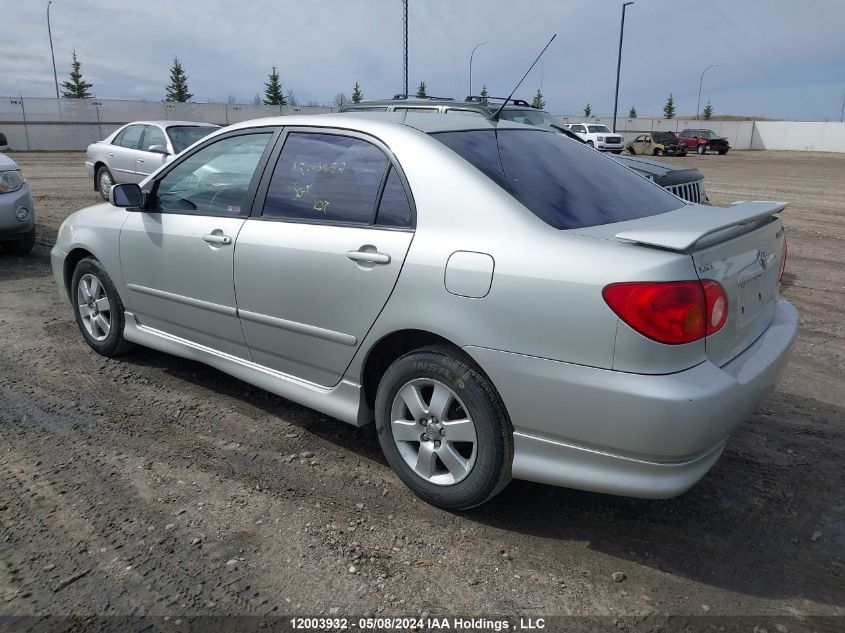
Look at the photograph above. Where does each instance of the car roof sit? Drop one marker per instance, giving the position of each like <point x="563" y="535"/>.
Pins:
<point x="171" y="123"/>
<point x="372" y="122"/>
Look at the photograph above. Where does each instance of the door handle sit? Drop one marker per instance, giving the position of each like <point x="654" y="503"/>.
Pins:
<point x="369" y="257"/>
<point x="211" y="238"/>
<point x="140" y="160"/>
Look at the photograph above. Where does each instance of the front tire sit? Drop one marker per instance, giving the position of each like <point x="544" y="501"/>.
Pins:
<point x="722" y="152"/>
<point x="591" y="144"/>
<point x="443" y="428"/>
<point x="702" y="149"/>
<point x="105" y="181"/>
<point x="98" y="309"/>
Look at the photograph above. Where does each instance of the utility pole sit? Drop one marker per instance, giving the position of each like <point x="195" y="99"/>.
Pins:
<point x="700" y="79"/>
<point x="619" y="63"/>
<point x="470" y="64"/>
<point x="405" y="41"/>
<point x="50" y="33"/>
<point x="842" y="113"/>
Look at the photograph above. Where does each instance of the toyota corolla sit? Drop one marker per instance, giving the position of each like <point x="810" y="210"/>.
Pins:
<point x="500" y="300"/>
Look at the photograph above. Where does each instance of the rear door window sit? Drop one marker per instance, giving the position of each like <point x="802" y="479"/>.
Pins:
<point x="326" y="178"/>
<point x="394" y="208"/>
<point x="130" y="137"/>
<point x="564" y="183"/>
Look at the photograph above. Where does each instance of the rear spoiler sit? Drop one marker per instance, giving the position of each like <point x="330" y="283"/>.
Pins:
<point x="681" y="230"/>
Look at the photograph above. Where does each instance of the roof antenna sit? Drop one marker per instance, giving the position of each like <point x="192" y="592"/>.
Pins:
<point x="495" y="117"/>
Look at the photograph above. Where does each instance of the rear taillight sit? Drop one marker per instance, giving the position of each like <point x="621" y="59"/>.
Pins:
<point x="782" y="262"/>
<point x="671" y="312"/>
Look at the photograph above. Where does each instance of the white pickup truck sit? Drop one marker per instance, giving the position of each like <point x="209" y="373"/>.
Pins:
<point x="599" y="136"/>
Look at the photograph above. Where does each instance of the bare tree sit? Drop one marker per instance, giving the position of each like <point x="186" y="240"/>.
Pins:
<point x="340" y="100"/>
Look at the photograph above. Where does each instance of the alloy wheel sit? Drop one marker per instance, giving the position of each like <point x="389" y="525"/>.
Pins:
<point x="433" y="431"/>
<point x="93" y="305"/>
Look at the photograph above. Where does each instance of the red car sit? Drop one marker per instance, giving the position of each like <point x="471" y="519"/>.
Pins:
<point x="702" y="141"/>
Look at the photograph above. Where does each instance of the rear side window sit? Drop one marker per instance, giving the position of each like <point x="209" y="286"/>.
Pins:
<point x="563" y="182"/>
<point x="394" y="208"/>
<point x="130" y="137"/>
<point x="326" y="178"/>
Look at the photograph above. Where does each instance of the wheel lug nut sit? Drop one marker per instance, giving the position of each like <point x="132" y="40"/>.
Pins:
<point x="437" y="444"/>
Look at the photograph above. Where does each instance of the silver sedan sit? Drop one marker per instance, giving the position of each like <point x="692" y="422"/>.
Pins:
<point x="501" y="300"/>
<point x="136" y="150"/>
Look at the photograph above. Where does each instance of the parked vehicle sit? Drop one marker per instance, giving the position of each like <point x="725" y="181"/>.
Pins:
<point x="657" y="144"/>
<point x="559" y="319"/>
<point x="599" y="136"/>
<point x="703" y="141"/>
<point x="686" y="183"/>
<point x="137" y="149"/>
<point x="17" y="213"/>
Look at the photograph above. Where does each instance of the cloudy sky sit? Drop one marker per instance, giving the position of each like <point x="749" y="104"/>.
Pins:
<point x="776" y="58"/>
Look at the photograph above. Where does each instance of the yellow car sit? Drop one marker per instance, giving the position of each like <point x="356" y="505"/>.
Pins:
<point x="657" y="144"/>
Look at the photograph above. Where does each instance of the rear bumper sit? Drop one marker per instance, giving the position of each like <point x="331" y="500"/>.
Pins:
<point x="651" y="436"/>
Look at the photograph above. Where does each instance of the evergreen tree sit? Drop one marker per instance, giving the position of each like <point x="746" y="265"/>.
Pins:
<point x="707" y="112"/>
<point x="421" y="90"/>
<point x="538" y="102"/>
<point x="632" y="113"/>
<point x="484" y="94"/>
<point x="669" y="108"/>
<point x="177" y="90"/>
<point x="273" y="94"/>
<point x="588" y="110"/>
<point x="357" y="94"/>
<point x="76" y="87"/>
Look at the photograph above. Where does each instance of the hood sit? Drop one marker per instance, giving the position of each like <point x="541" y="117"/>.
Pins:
<point x="663" y="174"/>
<point x="666" y="138"/>
<point x="7" y="164"/>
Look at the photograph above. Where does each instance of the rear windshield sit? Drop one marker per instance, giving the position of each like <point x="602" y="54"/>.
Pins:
<point x="565" y="183"/>
<point x="183" y="136"/>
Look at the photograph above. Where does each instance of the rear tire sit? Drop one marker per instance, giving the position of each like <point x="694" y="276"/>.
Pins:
<point x="22" y="245"/>
<point x="104" y="182"/>
<point x="449" y="398"/>
<point x="702" y="149"/>
<point x="98" y="309"/>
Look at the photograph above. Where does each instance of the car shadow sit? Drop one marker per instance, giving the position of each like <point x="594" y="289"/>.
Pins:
<point x="746" y="527"/>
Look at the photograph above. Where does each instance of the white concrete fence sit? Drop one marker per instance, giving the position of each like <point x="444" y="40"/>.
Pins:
<point x="72" y="124"/>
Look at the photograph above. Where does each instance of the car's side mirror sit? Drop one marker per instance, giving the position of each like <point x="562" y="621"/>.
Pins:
<point x="158" y="149"/>
<point x="126" y="195"/>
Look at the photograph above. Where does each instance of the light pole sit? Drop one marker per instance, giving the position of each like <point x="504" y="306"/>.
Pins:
<point x="470" y="64"/>
<point x="619" y="63"/>
<point x="698" y="105"/>
<point x="50" y="33"/>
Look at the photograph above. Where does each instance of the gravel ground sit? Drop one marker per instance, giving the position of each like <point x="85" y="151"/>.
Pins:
<point x="153" y="485"/>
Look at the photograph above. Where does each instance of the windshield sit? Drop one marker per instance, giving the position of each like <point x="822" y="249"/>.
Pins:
<point x="599" y="128"/>
<point x="566" y="184"/>
<point x="183" y="136"/>
<point x="706" y="134"/>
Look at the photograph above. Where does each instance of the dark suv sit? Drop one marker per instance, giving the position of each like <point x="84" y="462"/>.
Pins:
<point x="684" y="183"/>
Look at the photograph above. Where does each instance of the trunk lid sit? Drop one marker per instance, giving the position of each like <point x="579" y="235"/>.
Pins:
<point x="740" y="246"/>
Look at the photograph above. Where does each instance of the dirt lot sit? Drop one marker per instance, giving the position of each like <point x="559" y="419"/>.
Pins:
<point x="152" y="485"/>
